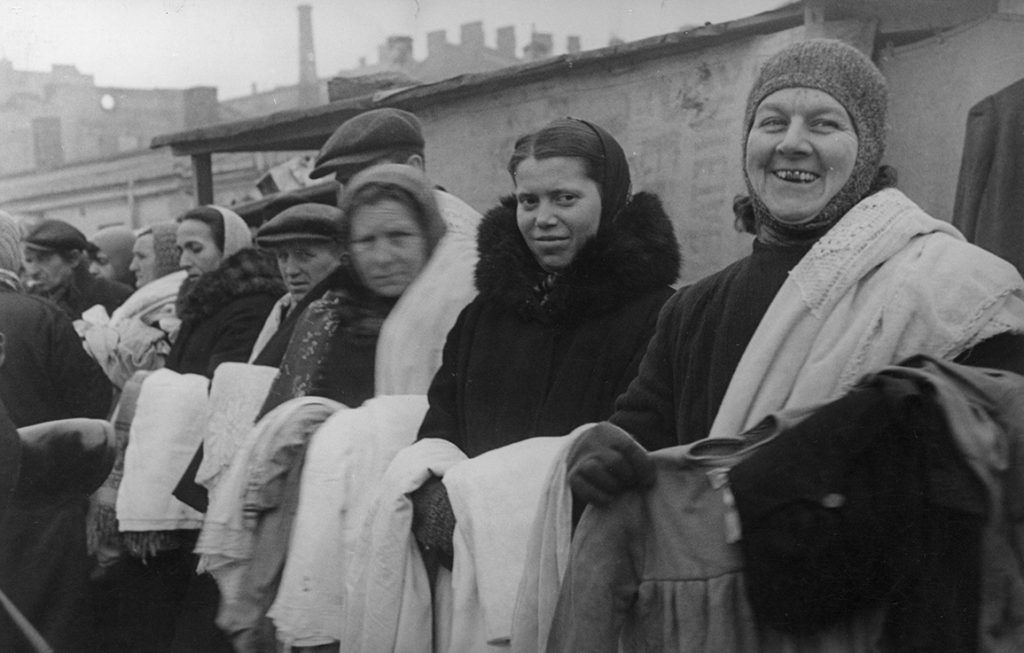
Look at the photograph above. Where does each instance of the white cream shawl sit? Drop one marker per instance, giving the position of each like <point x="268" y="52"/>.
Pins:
<point x="413" y="335"/>
<point x="887" y="282"/>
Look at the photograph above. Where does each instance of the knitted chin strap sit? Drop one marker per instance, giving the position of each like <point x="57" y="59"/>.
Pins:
<point x="616" y="186"/>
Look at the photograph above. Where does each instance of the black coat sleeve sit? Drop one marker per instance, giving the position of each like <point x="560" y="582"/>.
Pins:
<point x="647" y="409"/>
<point x="442" y="418"/>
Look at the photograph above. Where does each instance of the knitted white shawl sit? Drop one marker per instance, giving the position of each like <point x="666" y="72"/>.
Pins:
<point x="888" y="281"/>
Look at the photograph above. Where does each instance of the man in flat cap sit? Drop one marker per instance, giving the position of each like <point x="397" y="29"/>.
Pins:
<point x="387" y="135"/>
<point x="307" y="240"/>
<point x="47" y="383"/>
<point x="56" y="262"/>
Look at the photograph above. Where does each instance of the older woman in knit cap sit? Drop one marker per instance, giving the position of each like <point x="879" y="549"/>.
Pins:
<point x="138" y="335"/>
<point x="155" y="253"/>
<point x="847" y="275"/>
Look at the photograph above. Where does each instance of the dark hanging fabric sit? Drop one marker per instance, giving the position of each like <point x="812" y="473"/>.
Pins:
<point x="989" y="206"/>
<point x="866" y="502"/>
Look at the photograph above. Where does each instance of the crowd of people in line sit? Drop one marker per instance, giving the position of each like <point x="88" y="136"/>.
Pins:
<point x="391" y="423"/>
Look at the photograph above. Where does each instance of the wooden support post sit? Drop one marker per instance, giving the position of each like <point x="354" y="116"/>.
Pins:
<point x="202" y="170"/>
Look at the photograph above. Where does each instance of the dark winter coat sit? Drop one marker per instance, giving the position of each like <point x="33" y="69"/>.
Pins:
<point x="222" y="315"/>
<point x="701" y="335"/>
<point x="45" y="375"/>
<point x="519" y="363"/>
<point x="989" y="192"/>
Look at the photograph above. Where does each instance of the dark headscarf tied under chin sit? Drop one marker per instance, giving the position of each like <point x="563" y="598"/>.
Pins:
<point x="616" y="186"/>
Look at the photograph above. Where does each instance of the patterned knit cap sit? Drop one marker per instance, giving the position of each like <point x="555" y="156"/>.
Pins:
<point x="849" y="76"/>
<point x="165" y="247"/>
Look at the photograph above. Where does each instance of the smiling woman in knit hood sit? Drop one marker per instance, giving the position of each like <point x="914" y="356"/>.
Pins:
<point x="846" y="275"/>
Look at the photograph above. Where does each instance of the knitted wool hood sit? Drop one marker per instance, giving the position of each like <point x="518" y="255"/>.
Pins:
<point x="849" y="76"/>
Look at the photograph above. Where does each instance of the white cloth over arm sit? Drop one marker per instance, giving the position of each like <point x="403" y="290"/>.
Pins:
<point x="887" y="282"/>
<point x="547" y="557"/>
<point x="413" y="335"/>
<point x="345" y="461"/>
<point x="496" y="498"/>
<point x="237" y="393"/>
<point x="164" y="436"/>
<point x="225" y="543"/>
<point x="389" y="597"/>
<point x="132" y="339"/>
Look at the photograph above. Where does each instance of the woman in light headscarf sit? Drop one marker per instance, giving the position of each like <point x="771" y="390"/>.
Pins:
<point x="229" y="289"/>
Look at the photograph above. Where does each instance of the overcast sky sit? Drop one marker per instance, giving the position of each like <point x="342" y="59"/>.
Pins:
<point x="233" y="44"/>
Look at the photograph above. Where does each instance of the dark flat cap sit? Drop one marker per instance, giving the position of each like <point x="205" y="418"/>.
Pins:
<point x="56" y="236"/>
<point x="307" y="221"/>
<point x="366" y="138"/>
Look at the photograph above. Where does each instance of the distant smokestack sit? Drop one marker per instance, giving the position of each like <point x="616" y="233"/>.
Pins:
<point x="309" y="85"/>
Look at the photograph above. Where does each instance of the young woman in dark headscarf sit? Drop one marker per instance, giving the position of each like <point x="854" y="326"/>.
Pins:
<point x="573" y="271"/>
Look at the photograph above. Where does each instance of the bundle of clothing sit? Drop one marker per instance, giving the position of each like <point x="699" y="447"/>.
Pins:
<point x="885" y="518"/>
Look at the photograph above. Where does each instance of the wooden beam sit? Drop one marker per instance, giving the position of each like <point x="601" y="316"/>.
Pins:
<point x="202" y="170"/>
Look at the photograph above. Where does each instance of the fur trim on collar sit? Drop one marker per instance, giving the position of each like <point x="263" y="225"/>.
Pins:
<point x="639" y="253"/>
<point x="246" y="272"/>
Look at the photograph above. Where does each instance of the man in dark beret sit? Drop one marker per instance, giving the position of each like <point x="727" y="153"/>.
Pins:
<point x="56" y="262"/>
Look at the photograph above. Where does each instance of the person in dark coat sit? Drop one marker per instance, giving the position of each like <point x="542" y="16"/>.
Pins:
<point x="990" y="190"/>
<point x="390" y="228"/>
<point x="307" y="241"/>
<point x="56" y="261"/>
<point x="573" y="270"/>
<point x="230" y="289"/>
<point x="45" y="375"/>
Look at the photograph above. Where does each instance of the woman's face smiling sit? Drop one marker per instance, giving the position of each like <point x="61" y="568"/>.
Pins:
<point x="801" y="150"/>
<point x="558" y="209"/>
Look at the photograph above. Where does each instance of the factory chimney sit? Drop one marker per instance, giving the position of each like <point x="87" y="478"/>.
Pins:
<point x="309" y="85"/>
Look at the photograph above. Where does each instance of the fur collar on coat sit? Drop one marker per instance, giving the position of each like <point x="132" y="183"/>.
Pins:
<point x="246" y="272"/>
<point x="638" y="254"/>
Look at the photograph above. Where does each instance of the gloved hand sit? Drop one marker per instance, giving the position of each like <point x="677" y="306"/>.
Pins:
<point x="68" y="456"/>
<point x="433" y="522"/>
<point x="604" y="462"/>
